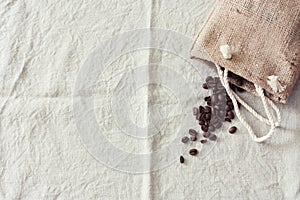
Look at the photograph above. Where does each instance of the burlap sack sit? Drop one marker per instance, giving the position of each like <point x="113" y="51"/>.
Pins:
<point x="266" y="35"/>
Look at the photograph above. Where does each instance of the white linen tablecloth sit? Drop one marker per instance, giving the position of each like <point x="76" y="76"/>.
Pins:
<point x="44" y="45"/>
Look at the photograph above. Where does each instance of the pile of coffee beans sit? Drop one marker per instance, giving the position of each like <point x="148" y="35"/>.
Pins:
<point x="210" y="117"/>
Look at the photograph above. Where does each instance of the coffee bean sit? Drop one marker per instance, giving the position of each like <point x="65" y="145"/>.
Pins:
<point x="181" y="159"/>
<point x="232" y="129"/>
<point x="203" y="141"/>
<point x="193" y="132"/>
<point x="221" y="97"/>
<point x="195" y="111"/>
<point x="209" y="79"/>
<point x="214" y="98"/>
<point x="206" y="123"/>
<point x="217" y="107"/>
<point x="207" y="109"/>
<point x="201" y="122"/>
<point x="206" y="134"/>
<point x="185" y="139"/>
<point x="202" y="116"/>
<point x="205" y="86"/>
<point x="204" y="128"/>
<point x="201" y="109"/>
<point x="193" y="138"/>
<point x="208" y="116"/>
<point x="222" y="113"/>
<point x="229" y="103"/>
<point x="221" y="88"/>
<point x="214" y="121"/>
<point x="217" y="79"/>
<point x="212" y="137"/>
<point x="193" y="152"/>
<point x="230" y="115"/>
<point x="218" y="125"/>
<point x="207" y="98"/>
<point x="228" y="108"/>
<point x="227" y="119"/>
<point x="211" y="128"/>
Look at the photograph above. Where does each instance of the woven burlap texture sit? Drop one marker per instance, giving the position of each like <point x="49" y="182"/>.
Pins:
<point x="266" y="35"/>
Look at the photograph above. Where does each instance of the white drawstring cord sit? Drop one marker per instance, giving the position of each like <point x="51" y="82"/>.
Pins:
<point x="234" y="97"/>
<point x="249" y="108"/>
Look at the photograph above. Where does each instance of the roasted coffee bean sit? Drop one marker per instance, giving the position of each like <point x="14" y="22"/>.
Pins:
<point x="221" y="88"/>
<point x="185" y="139"/>
<point x="232" y="129"/>
<point x="208" y="116"/>
<point x="229" y="103"/>
<point x="221" y="97"/>
<point x="193" y="137"/>
<point x="216" y="107"/>
<point x="202" y="116"/>
<point x="216" y="79"/>
<point x="227" y="119"/>
<point x="211" y="128"/>
<point x="207" y="109"/>
<point x="203" y="141"/>
<point x="181" y="159"/>
<point x="195" y="111"/>
<point x="206" y="134"/>
<point x="228" y="108"/>
<point x="204" y="128"/>
<point x="205" y="86"/>
<point x="193" y="152"/>
<point x="230" y="115"/>
<point x="207" y="123"/>
<point x="214" y="98"/>
<point x="222" y="113"/>
<point x="207" y="98"/>
<point x="218" y="125"/>
<point x="193" y="132"/>
<point x="201" y="109"/>
<point x="201" y="122"/>
<point x="212" y="137"/>
<point x="214" y="121"/>
<point x="209" y="79"/>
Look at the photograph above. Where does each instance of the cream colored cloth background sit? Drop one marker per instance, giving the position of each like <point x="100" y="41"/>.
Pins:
<point x="43" y="45"/>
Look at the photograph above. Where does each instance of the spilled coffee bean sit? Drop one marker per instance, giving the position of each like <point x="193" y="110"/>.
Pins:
<point x="185" y="139"/>
<point x="193" y="152"/>
<point x="206" y="134"/>
<point x="218" y="109"/>
<point x="232" y="129"/>
<point x="193" y="132"/>
<point x="203" y="141"/>
<point x="195" y="111"/>
<point x="212" y="137"/>
<point x="193" y="138"/>
<point x="181" y="159"/>
<point x="230" y="115"/>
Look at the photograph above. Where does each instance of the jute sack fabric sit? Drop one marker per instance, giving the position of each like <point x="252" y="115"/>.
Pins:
<point x="265" y="36"/>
